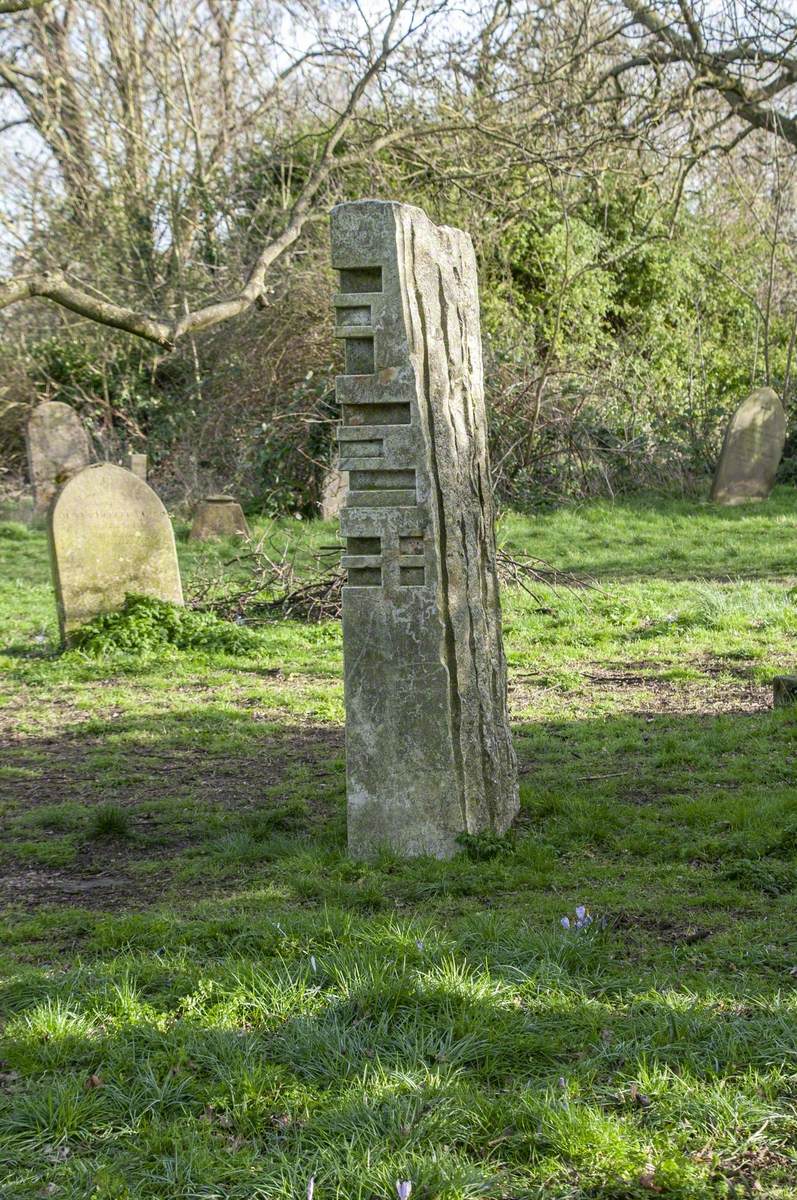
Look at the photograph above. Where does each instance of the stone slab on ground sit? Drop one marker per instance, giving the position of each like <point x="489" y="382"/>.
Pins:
<point x="218" y="517"/>
<point x="429" y="752"/>
<point x="784" y="690"/>
<point x="751" y="451"/>
<point x="110" y="536"/>
<point x="58" y="447"/>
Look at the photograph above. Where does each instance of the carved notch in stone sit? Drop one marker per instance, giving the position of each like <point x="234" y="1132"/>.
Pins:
<point x="429" y="752"/>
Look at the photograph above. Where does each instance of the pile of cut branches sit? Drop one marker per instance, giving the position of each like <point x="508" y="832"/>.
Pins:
<point x="264" y="583"/>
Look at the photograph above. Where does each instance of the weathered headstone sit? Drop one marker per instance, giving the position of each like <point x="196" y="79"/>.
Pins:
<point x="751" y="451"/>
<point x="429" y="752"/>
<point x="58" y="447"/>
<point x="137" y="463"/>
<point x="110" y="536"/>
<point x="218" y="517"/>
<point x="333" y="494"/>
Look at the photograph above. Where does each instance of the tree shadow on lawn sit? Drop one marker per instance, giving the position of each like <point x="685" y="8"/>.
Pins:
<point x="214" y="801"/>
<point x="494" y="1056"/>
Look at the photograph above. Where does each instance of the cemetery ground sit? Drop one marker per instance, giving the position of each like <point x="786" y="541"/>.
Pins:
<point x="203" y="996"/>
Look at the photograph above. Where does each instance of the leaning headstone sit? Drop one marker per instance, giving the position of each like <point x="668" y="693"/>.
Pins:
<point x="333" y="493"/>
<point x="137" y="463"/>
<point x="110" y="536"/>
<point x="429" y="753"/>
<point x="218" y="517"/>
<point x="751" y="451"/>
<point x="58" y="447"/>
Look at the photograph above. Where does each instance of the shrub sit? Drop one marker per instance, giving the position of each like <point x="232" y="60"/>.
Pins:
<point x="146" y="625"/>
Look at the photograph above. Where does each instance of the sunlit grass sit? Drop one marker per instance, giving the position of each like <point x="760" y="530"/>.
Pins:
<point x="203" y="996"/>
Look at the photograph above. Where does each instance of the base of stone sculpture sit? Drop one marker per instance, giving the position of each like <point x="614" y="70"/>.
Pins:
<point x="218" y="517"/>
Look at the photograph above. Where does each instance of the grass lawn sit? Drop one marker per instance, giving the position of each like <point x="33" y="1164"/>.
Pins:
<point x="201" y="996"/>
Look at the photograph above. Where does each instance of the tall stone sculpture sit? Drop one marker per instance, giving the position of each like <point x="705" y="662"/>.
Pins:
<point x="58" y="447"/>
<point x="429" y="753"/>
<point x="110" y="537"/>
<point x="751" y="451"/>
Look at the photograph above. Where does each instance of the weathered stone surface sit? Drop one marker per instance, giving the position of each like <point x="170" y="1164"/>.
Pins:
<point x="429" y="752"/>
<point x="137" y="463"/>
<point x="751" y="451"/>
<point x="336" y="483"/>
<point x="58" y="447"/>
<point x="218" y="517"/>
<point x="110" y="536"/>
<point x="784" y="690"/>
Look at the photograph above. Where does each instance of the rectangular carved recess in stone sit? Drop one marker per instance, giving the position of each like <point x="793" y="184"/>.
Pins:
<point x="429" y="752"/>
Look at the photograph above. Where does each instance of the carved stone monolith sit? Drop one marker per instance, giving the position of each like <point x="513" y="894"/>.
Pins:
<point x="751" y="451"/>
<point x="218" y="517"/>
<point x="58" y="447"/>
<point x="110" y="537"/>
<point x="429" y="752"/>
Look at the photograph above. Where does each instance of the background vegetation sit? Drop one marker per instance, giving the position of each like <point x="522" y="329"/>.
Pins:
<point x="634" y="226"/>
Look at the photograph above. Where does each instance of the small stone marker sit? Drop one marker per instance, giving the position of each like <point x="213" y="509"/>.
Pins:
<point x="58" y="447"/>
<point x="751" y="451"/>
<point x="429" y="752"/>
<point x="336" y="483"/>
<point x="218" y="517"/>
<point x="784" y="690"/>
<point x="110" y="536"/>
<point x="137" y="463"/>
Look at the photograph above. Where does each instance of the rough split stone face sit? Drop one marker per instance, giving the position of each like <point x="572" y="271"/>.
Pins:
<point x="218" y="517"/>
<point x="137" y="463"/>
<point x="336" y="483"/>
<point x="58" y="447"/>
<point x="110" y="536"/>
<point x="428" y="745"/>
<point x="751" y="451"/>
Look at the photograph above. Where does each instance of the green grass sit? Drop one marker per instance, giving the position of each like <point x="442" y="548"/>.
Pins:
<point x="203" y="997"/>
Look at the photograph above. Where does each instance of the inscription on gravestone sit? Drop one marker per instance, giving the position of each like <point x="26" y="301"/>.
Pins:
<point x="58" y="447"/>
<point x="429" y="753"/>
<point x="751" y="451"/>
<point x="110" y="536"/>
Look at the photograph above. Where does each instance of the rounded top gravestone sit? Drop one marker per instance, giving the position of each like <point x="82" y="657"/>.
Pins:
<point x="751" y="451"/>
<point x="110" y="536"/>
<point x="58" y="447"/>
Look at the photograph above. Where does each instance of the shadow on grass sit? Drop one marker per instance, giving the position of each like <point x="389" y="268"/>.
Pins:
<point x="493" y="1056"/>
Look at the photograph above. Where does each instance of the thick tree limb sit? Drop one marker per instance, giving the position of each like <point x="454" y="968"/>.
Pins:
<point x="56" y="287"/>
<point x="15" y="6"/>
<point x="711" y="70"/>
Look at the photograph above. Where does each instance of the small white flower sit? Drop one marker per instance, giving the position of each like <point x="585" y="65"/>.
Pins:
<point x="313" y="964"/>
<point x="310" y="1187"/>
<point x="403" y="1189"/>
<point x="565" y="922"/>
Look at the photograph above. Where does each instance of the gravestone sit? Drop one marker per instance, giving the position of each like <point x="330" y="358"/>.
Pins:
<point x="110" y="536"/>
<point x="333" y="493"/>
<point x="218" y="517"/>
<point x="137" y="463"/>
<point x="429" y="752"/>
<point x="751" y="451"/>
<point x="58" y="447"/>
